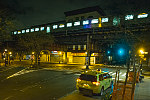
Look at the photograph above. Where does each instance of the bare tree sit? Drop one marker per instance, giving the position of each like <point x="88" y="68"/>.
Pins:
<point x="35" y="42"/>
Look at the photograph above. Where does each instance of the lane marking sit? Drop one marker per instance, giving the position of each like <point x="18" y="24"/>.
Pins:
<point x="117" y="78"/>
<point x="24" y="71"/>
<point x="8" y="98"/>
<point x="77" y="74"/>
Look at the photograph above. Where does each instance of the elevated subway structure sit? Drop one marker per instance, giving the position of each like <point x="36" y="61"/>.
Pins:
<point x="92" y="37"/>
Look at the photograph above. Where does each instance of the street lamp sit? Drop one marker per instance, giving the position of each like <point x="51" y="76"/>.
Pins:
<point x="141" y="51"/>
<point x="10" y="53"/>
<point x="6" y="57"/>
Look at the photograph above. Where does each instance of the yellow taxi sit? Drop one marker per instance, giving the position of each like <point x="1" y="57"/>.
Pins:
<point x="94" y="82"/>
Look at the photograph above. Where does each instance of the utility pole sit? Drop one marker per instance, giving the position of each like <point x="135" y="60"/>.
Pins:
<point x="88" y="52"/>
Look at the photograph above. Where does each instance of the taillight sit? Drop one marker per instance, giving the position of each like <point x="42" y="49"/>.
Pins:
<point x="78" y="80"/>
<point x="96" y="83"/>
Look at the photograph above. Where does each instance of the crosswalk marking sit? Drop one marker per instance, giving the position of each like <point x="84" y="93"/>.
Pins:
<point x="113" y="73"/>
<point x="123" y="74"/>
<point x="24" y="71"/>
<point x="77" y="74"/>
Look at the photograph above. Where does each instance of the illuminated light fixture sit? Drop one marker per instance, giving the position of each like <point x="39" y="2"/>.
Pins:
<point x="100" y="24"/>
<point x="23" y="31"/>
<point x="85" y="22"/>
<point x="78" y="80"/>
<point x="37" y="29"/>
<point x="42" y="29"/>
<point x="77" y="23"/>
<point x="69" y="24"/>
<point x="94" y="21"/>
<point x="61" y="25"/>
<point x="121" y="52"/>
<point x="19" y="32"/>
<point x="32" y="30"/>
<point x="15" y="32"/>
<point x="54" y="52"/>
<point x="142" y="15"/>
<point x="108" y="52"/>
<point x="27" y="30"/>
<point x="55" y="26"/>
<point x="141" y="51"/>
<point x="60" y="52"/>
<point x="116" y="21"/>
<point x="104" y="20"/>
<point x="129" y="17"/>
<point x="48" y="29"/>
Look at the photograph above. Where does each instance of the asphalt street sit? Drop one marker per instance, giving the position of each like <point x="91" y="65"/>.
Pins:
<point x="36" y="85"/>
<point x="20" y="83"/>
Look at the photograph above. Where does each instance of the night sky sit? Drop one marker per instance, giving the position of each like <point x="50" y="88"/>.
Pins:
<point x="35" y="12"/>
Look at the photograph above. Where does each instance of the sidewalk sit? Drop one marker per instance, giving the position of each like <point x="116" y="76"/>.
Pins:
<point x="142" y="90"/>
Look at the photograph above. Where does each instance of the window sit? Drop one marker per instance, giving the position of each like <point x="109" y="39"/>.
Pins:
<point x="42" y="28"/>
<point x="88" y="77"/>
<point x="55" y="26"/>
<point x="27" y="30"/>
<point x="36" y="29"/>
<point x="32" y="30"/>
<point x="70" y="47"/>
<point x="84" y="47"/>
<point x="74" y="47"/>
<point x="85" y="22"/>
<point x="105" y="76"/>
<point x="23" y="31"/>
<point x="100" y="77"/>
<point x="15" y="32"/>
<point x="77" y="23"/>
<point x="94" y="21"/>
<point x="19" y="32"/>
<point x="79" y="47"/>
<point x="108" y="76"/>
<point x="129" y="17"/>
<point x="69" y="24"/>
<point x="104" y="20"/>
<point x="116" y="21"/>
<point x="48" y="29"/>
<point x="142" y="15"/>
<point x="61" y="25"/>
